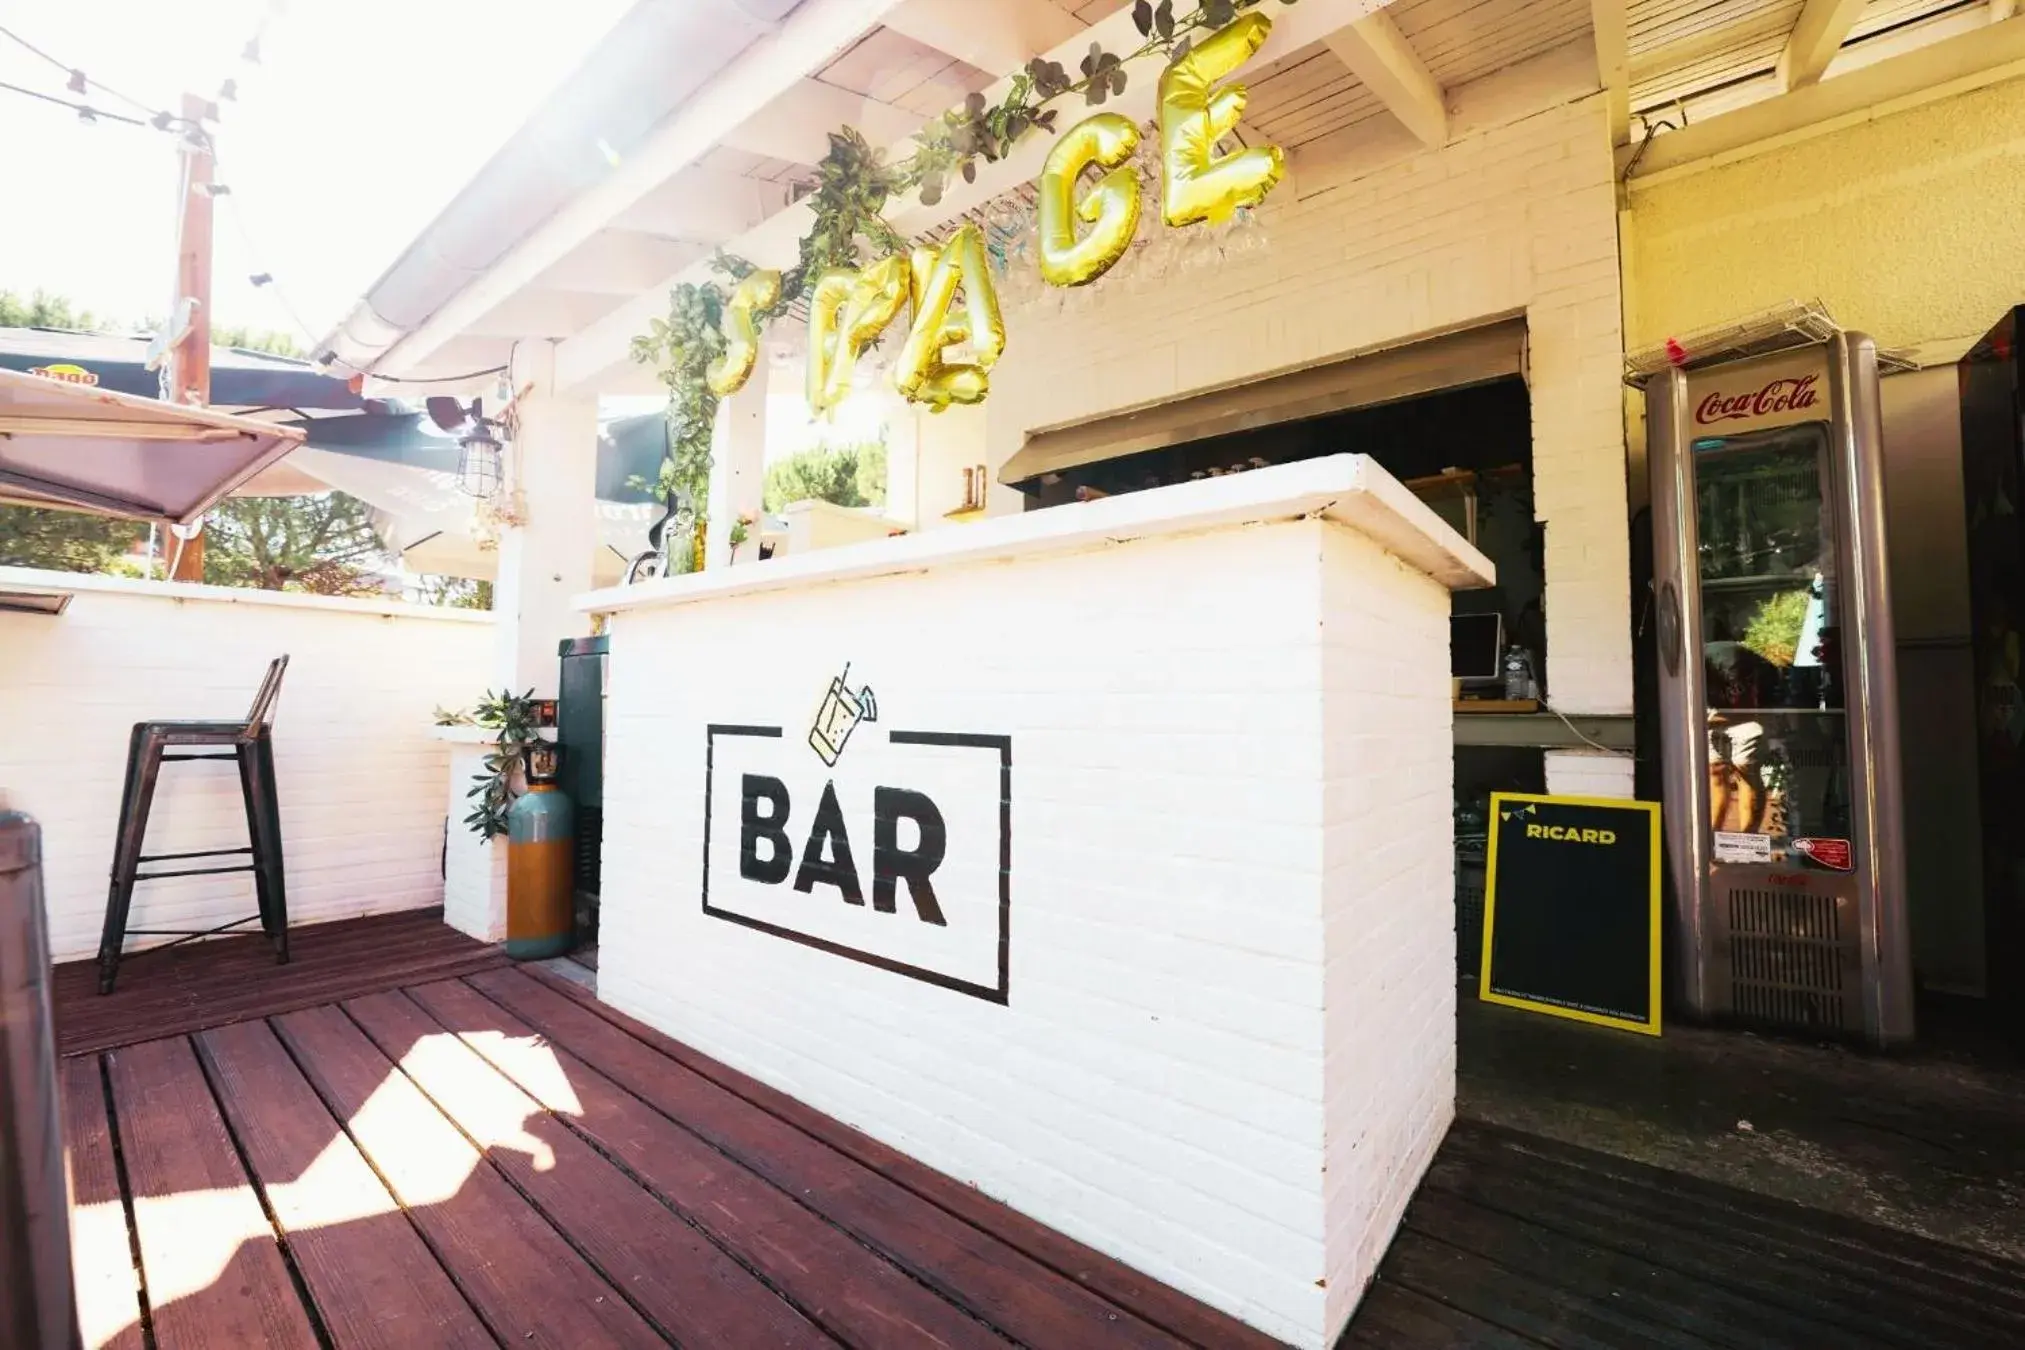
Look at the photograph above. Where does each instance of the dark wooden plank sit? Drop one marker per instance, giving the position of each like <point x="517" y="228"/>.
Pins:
<point x="213" y="1271"/>
<point x="525" y="1281"/>
<point x="101" y="1251"/>
<point x="1534" y="1308"/>
<point x="374" y="1280"/>
<point x="685" y="1284"/>
<point x="847" y="1288"/>
<point x="1946" y="1282"/>
<point x="1943" y="1269"/>
<point x="1612" y="1278"/>
<point x="1842" y="1306"/>
<point x="1149" y="1299"/>
<point x="1005" y="1287"/>
<point x="1396" y="1318"/>
<point x="235" y="979"/>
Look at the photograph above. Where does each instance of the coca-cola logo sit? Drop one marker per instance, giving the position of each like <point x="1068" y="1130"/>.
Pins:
<point x="1792" y="394"/>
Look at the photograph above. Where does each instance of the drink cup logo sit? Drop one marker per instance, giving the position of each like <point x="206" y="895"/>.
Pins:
<point x="838" y="715"/>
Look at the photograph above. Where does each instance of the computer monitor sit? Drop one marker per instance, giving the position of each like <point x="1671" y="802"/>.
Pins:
<point x="1476" y="646"/>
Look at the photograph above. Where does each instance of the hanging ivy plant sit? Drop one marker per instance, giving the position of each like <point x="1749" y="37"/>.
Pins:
<point x="853" y="183"/>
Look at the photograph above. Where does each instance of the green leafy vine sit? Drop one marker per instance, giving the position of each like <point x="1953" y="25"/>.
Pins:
<point x="511" y="717"/>
<point x="848" y="199"/>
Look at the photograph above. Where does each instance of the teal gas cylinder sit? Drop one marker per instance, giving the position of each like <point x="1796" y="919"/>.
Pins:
<point x="540" y="854"/>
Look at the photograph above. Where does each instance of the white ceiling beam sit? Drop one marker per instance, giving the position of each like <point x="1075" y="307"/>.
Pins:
<point x="804" y="42"/>
<point x="1609" y="20"/>
<point x="619" y="262"/>
<point x="796" y="125"/>
<point x="705" y="205"/>
<point x="1817" y="35"/>
<point x="592" y="354"/>
<point x="1971" y="60"/>
<point x="1378" y="54"/>
<point x="998" y="36"/>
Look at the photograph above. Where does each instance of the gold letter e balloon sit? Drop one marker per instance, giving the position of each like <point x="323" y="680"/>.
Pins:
<point x="1195" y="114"/>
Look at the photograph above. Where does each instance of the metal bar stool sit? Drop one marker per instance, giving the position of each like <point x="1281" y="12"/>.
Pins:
<point x="250" y="742"/>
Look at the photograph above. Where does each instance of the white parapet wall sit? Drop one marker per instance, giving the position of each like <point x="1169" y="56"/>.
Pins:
<point x="1098" y="857"/>
<point x="362" y="784"/>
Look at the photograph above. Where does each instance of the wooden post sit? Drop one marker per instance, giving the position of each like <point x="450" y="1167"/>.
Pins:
<point x="189" y="358"/>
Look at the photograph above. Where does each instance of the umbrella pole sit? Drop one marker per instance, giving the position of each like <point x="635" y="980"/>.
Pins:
<point x="189" y="356"/>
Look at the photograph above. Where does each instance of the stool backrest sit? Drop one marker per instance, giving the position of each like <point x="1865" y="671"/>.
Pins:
<point x="261" y="715"/>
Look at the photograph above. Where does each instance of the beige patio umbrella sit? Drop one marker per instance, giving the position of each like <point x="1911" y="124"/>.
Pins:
<point x="82" y="448"/>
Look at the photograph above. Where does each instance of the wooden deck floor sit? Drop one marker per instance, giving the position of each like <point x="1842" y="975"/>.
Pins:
<point x="207" y="984"/>
<point x="1517" y="1241"/>
<point x="387" y="1156"/>
<point x="496" y="1160"/>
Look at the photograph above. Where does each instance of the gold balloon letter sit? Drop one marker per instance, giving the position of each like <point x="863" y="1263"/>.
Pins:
<point x="729" y="372"/>
<point x="847" y="311"/>
<point x="920" y="373"/>
<point x="1107" y="140"/>
<point x="1195" y="115"/>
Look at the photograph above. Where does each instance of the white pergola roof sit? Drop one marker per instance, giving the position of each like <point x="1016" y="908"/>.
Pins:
<point x="722" y="169"/>
<point x="82" y="448"/>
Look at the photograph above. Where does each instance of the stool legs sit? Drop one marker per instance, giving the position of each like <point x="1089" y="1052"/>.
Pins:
<point x="263" y="828"/>
<point x="144" y="766"/>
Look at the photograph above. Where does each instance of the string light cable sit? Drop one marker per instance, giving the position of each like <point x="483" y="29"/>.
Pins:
<point x="81" y="83"/>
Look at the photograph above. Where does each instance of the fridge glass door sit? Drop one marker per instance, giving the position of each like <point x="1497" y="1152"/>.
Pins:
<point x="1778" y="745"/>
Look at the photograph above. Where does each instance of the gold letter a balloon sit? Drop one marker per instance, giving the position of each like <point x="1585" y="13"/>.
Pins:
<point x="1112" y="208"/>
<point x="1195" y="115"/>
<point x="920" y="373"/>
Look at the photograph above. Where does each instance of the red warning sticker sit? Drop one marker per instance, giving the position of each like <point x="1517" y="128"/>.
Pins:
<point x="1833" y="854"/>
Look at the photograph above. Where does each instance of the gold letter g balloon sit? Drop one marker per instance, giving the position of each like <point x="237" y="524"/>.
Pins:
<point x="1195" y="115"/>
<point x="1112" y="208"/>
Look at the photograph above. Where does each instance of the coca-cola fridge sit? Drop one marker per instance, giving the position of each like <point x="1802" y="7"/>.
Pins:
<point x="1778" y="692"/>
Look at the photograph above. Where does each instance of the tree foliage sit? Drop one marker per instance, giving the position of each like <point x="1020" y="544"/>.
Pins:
<point x="43" y="310"/>
<point x="844" y="475"/>
<point x="324" y="544"/>
<point x="64" y="541"/>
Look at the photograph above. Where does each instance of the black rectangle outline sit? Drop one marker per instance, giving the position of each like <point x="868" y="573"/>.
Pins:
<point x="1003" y="744"/>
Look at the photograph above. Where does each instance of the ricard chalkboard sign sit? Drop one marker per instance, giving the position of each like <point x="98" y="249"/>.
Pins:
<point x="1571" y="909"/>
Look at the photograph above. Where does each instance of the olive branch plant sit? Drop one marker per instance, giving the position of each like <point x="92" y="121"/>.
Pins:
<point x="847" y="198"/>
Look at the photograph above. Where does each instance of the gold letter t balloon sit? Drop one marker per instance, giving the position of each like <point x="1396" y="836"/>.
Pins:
<point x="1195" y="114"/>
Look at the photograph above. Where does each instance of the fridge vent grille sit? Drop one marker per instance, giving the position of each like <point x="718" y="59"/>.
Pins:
<point x="1786" y="958"/>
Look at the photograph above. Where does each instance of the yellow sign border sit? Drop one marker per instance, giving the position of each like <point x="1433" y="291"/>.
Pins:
<point x="1484" y="992"/>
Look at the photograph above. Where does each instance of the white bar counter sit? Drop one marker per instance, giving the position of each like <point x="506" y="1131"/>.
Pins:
<point x="1099" y="857"/>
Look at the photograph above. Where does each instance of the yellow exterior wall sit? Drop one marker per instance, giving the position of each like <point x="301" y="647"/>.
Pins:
<point x="1911" y="227"/>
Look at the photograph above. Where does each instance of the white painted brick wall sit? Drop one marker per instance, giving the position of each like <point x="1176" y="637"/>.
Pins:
<point x="1187" y="900"/>
<point x="474" y="869"/>
<point x="361" y="783"/>
<point x="1389" y="915"/>
<point x="1518" y="218"/>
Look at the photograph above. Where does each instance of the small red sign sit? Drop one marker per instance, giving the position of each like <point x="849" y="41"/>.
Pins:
<point x="1833" y="854"/>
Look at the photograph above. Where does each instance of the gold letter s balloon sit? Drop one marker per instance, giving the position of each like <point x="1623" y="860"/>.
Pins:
<point x="1111" y="210"/>
<point x="846" y="312"/>
<point x="921" y="374"/>
<point x="729" y="372"/>
<point x="1195" y="115"/>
